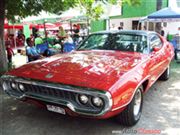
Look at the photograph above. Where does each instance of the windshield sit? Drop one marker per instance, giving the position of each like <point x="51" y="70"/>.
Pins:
<point x="119" y="42"/>
<point x="96" y="41"/>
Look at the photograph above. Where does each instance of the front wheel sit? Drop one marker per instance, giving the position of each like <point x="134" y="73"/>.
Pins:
<point x="131" y="115"/>
<point x="165" y="75"/>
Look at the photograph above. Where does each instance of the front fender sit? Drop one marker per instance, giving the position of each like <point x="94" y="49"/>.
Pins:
<point x="124" y="94"/>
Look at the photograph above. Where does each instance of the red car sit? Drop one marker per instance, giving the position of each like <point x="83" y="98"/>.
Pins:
<point x="105" y="77"/>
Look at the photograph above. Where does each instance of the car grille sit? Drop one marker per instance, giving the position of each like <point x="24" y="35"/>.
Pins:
<point x="60" y="94"/>
<point x="52" y="92"/>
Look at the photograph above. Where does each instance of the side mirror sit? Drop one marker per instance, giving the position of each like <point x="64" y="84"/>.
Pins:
<point x="156" y="49"/>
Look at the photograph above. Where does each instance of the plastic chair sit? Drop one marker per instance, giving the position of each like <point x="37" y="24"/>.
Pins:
<point x="42" y="47"/>
<point x="68" y="47"/>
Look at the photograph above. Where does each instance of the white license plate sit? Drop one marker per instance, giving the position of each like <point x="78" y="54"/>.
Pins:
<point x="56" y="109"/>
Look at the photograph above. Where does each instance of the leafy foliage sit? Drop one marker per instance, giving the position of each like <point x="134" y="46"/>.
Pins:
<point x="23" y="8"/>
<point x="132" y="2"/>
<point x="93" y="8"/>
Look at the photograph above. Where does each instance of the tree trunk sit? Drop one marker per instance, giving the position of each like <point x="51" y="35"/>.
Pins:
<point x="3" y="59"/>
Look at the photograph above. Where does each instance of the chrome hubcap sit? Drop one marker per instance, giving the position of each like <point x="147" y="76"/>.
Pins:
<point x="137" y="102"/>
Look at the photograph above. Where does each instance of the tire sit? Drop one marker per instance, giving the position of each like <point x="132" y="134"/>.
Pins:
<point x="175" y="54"/>
<point x="177" y="58"/>
<point x="165" y="75"/>
<point x="131" y="115"/>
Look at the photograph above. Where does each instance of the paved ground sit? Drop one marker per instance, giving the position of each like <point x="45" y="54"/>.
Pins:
<point x="161" y="113"/>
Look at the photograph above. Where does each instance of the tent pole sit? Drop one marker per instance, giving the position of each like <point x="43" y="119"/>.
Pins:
<point x="14" y="37"/>
<point x="71" y="27"/>
<point x="88" y="25"/>
<point x="45" y="30"/>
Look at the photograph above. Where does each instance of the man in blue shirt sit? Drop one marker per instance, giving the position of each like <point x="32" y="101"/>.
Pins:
<point x="31" y="51"/>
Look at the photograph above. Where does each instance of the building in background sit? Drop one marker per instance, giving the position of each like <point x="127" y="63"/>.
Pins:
<point x="132" y="14"/>
<point x="129" y="16"/>
<point x="172" y="27"/>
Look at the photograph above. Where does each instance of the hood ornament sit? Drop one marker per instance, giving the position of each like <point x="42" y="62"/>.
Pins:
<point x="49" y="75"/>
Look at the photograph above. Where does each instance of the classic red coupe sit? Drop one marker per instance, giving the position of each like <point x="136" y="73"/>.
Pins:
<point x="105" y="77"/>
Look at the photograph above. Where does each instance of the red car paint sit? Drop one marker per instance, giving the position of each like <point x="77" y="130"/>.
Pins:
<point x="120" y="73"/>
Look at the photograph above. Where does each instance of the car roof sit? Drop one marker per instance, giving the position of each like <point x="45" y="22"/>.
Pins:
<point x="136" y="32"/>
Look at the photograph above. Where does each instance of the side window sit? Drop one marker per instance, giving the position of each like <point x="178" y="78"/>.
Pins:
<point x="155" y="41"/>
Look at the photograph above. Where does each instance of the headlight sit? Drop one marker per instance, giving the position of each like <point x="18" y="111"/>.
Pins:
<point x="83" y="99"/>
<point x="13" y="85"/>
<point x="21" y="87"/>
<point x="97" y="101"/>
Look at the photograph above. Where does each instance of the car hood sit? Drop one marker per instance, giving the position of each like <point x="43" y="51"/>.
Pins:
<point x="94" y="69"/>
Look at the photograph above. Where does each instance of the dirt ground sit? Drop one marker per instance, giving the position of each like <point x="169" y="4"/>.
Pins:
<point x="161" y="115"/>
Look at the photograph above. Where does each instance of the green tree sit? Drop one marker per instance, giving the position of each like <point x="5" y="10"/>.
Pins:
<point x="3" y="63"/>
<point x="22" y="8"/>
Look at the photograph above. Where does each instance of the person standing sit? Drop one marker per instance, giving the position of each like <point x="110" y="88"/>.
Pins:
<point x="162" y="32"/>
<point x="10" y="53"/>
<point x="76" y="29"/>
<point x="120" y="26"/>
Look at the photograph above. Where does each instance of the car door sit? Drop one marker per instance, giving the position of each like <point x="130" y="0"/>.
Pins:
<point x="156" y="57"/>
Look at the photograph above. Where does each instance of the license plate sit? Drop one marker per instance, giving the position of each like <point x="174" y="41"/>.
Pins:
<point x="56" y="109"/>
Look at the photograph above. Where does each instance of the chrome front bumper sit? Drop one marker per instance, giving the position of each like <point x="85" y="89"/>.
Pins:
<point x="57" y="93"/>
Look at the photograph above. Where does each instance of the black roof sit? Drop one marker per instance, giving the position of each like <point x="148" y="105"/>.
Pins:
<point x="136" y="32"/>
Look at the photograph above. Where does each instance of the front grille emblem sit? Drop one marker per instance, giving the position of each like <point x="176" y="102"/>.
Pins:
<point x="49" y="75"/>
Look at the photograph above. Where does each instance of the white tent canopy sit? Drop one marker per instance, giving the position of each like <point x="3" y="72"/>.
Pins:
<point x="164" y="15"/>
<point x="72" y="12"/>
<point x="42" y="16"/>
<point x="170" y="17"/>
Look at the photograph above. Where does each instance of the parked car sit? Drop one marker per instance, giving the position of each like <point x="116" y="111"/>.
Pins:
<point x="105" y="77"/>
